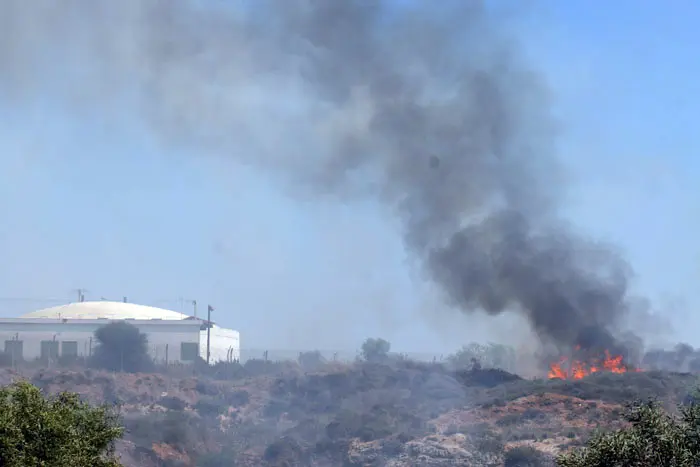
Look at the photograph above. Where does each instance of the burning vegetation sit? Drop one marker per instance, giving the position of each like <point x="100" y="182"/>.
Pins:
<point x="579" y="368"/>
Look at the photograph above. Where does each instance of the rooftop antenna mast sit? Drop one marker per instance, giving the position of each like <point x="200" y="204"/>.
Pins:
<point x="81" y="294"/>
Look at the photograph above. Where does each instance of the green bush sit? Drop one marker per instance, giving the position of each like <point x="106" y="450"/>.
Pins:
<point x="56" y="431"/>
<point x="654" y="439"/>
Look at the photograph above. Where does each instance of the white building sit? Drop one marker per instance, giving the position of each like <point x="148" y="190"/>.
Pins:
<point x="69" y="330"/>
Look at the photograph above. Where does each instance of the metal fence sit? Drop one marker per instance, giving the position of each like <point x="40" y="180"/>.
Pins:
<point x="486" y="355"/>
<point x="327" y="355"/>
<point x="163" y="353"/>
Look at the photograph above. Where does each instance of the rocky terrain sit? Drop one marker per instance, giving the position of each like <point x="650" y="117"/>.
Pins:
<point x="395" y="413"/>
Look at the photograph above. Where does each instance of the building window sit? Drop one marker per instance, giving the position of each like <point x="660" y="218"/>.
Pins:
<point x="69" y="349"/>
<point x="14" y="349"/>
<point x="189" y="351"/>
<point x="49" y="349"/>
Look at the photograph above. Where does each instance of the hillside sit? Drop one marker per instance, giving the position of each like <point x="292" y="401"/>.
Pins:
<point x="400" y="413"/>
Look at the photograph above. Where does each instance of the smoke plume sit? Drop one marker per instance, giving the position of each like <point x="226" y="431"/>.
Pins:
<point x="433" y="111"/>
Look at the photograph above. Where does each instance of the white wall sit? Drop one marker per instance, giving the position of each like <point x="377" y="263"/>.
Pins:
<point x="163" y="336"/>
<point x="224" y="343"/>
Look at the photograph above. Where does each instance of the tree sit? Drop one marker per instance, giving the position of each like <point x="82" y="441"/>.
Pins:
<point x="654" y="439"/>
<point x="487" y="356"/>
<point x="312" y="360"/>
<point x="58" y="431"/>
<point x="121" y="347"/>
<point x="375" y="350"/>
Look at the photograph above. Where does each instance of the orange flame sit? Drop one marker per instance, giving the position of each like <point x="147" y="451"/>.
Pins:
<point x="577" y="369"/>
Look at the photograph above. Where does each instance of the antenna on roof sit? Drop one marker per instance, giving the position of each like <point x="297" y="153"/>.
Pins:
<point x="81" y="295"/>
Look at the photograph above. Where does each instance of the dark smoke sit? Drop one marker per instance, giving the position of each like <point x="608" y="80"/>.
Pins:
<point x="682" y="358"/>
<point x="570" y="291"/>
<point x="430" y="109"/>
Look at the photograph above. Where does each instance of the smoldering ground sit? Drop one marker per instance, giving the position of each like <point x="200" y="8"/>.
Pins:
<point x="433" y="112"/>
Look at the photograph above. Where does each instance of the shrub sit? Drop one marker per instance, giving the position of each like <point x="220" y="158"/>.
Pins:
<point x="176" y="430"/>
<point x="375" y="350"/>
<point x="523" y="456"/>
<point x="486" y="356"/>
<point x="285" y="451"/>
<point x="311" y="360"/>
<point x="61" y="430"/>
<point x="654" y="438"/>
<point x="173" y="403"/>
<point x="510" y="419"/>
<point x="208" y="408"/>
<point x="237" y="398"/>
<point x="225" y="370"/>
<point x="121" y="347"/>
<point x="206" y="388"/>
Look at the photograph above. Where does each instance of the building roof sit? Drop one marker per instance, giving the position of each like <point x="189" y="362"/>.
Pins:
<point x="108" y="310"/>
<point x="32" y="322"/>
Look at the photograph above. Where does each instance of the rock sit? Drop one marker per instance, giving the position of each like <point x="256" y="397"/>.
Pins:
<point x="429" y="451"/>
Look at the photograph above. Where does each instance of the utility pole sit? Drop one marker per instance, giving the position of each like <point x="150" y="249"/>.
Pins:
<point x="209" y="310"/>
<point x="194" y="306"/>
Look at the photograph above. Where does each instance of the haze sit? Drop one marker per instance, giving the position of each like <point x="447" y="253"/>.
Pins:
<point x="92" y="199"/>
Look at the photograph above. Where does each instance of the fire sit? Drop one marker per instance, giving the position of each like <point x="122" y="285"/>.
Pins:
<point x="577" y="369"/>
